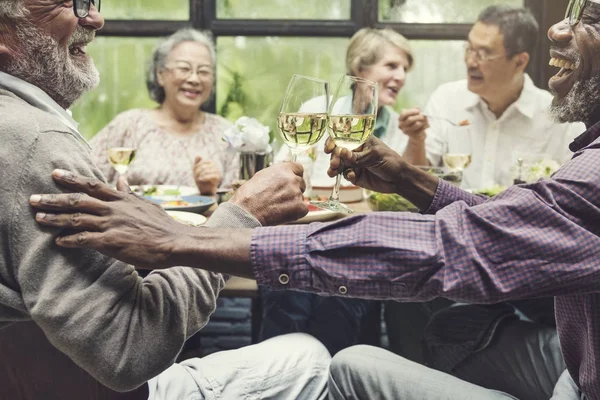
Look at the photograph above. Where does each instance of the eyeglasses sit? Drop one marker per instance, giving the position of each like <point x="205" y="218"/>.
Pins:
<point x="574" y="11"/>
<point x="480" y="55"/>
<point x="183" y="70"/>
<point x="81" y="8"/>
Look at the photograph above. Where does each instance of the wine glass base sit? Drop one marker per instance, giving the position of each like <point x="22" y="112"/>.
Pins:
<point x="334" y="206"/>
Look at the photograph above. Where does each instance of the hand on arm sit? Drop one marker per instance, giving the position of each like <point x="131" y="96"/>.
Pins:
<point x="414" y="124"/>
<point x="376" y="167"/>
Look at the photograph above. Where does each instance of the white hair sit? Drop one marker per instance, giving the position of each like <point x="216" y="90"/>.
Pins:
<point x="12" y="10"/>
<point x="162" y="51"/>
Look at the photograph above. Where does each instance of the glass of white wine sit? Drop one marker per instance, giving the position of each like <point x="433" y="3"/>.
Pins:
<point x="302" y="117"/>
<point x="351" y="121"/>
<point x="121" y="151"/>
<point x="457" y="157"/>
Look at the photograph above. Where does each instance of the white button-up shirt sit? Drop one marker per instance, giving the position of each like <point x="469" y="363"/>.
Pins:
<point x="525" y="130"/>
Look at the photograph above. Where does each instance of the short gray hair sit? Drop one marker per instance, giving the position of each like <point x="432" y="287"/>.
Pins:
<point x="161" y="53"/>
<point x="517" y="24"/>
<point x="12" y="10"/>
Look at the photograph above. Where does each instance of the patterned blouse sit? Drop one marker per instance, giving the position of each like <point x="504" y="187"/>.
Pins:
<point x="162" y="158"/>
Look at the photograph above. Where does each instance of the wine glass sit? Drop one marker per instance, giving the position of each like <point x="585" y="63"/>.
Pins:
<point x="121" y="150"/>
<point x="457" y="155"/>
<point x="351" y="122"/>
<point x="303" y="113"/>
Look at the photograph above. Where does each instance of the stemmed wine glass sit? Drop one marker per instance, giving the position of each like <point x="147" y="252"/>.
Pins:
<point x="457" y="157"/>
<point x="303" y="113"/>
<point x="121" y="151"/>
<point x="351" y="122"/>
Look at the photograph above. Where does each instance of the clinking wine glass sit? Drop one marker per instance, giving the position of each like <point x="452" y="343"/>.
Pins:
<point x="303" y="113"/>
<point x="121" y="151"/>
<point x="351" y="121"/>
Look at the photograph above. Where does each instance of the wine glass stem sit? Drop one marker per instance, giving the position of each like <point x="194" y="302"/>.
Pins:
<point x="335" y="193"/>
<point x="294" y="156"/>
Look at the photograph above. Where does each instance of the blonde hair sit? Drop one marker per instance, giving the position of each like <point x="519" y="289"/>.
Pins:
<point x="365" y="47"/>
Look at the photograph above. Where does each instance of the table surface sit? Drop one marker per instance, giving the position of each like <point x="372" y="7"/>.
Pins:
<point x="248" y="288"/>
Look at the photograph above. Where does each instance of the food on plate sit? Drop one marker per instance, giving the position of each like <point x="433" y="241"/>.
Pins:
<point x="156" y="191"/>
<point x="312" y="208"/>
<point x="490" y="191"/>
<point x="389" y="202"/>
<point x="175" y="203"/>
<point x="464" y="122"/>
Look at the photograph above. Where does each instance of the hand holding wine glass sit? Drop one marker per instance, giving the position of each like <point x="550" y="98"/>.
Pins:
<point x="303" y="113"/>
<point x="351" y="122"/>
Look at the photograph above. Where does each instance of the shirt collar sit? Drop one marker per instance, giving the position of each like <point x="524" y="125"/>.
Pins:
<point x="383" y="118"/>
<point x="525" y="103"/>
<point x="586" y="138"/>
<point x="40" y="99"/>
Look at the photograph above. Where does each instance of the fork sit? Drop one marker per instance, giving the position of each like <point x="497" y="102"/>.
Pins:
<point x="441" y="119"/>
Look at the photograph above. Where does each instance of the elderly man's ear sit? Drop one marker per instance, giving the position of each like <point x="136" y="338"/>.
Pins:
<point x="7" y="45"/>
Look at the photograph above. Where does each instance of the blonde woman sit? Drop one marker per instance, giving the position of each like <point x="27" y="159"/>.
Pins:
<point x="383" y="56"/>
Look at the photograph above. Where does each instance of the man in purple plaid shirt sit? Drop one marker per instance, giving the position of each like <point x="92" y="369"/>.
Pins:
<point x="535" y="240"/>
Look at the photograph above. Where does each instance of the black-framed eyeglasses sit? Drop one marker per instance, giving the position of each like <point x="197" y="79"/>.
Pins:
<point x="574" y="11"/>
<point x="81" y="8"/>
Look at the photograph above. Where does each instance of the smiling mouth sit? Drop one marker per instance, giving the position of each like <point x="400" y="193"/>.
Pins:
<point x="77" y="49"/>
<point x="566" y="67"/>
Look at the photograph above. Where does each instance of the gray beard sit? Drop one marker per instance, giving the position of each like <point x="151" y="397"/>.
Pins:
<point x="42" y="63"/>
<point x="580" y="105"/>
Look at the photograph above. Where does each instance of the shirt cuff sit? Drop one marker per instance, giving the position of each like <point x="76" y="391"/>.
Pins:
<point x="445" y="194"/>
<point x="229" y="215"/>
<point x="278" y="257"/>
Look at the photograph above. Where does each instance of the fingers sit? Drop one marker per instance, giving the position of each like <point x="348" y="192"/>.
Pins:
<point x="329" y="146"/>
<point x="68" y="202"/>
<point x="123" y="185"/>
<point x="77" y="221"/>
<point x="81" y="240"/>
<point x="91" y="186"/>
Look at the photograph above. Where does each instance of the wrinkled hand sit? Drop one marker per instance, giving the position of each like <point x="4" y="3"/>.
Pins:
<point x="373" y="166"/>
<point x="115" y="222"/>
<point x="413" y="123"/>
<point x="207" y="176"/>
<point x="274" y="194"/>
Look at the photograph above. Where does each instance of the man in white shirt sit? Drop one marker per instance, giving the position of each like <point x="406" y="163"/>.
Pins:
<point x="498" y="116"/>
<point x="507" y="114"/>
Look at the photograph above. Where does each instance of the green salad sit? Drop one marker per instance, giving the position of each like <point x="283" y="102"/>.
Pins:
<point x="490" y="191"/>
<point x="389" y="202"/>
<point x="154" y="191"/>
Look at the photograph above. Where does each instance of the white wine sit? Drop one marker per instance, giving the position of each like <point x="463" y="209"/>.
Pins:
<point x="351" y="131"/>
<point x="456" y="161"/>
<point x="302" y="130"/>
<point x="120" y="158"/>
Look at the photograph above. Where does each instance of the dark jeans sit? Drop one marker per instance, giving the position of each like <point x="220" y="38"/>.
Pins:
<point x="335" y="321"/>
<point x="522" y="358"/>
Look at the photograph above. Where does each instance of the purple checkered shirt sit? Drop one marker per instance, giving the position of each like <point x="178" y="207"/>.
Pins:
<point x="535" y="240"/>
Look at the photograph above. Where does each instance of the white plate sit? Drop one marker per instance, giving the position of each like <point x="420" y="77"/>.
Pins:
<point x="183" y="190"/>
<point x="187" y="217"/>
<point x="314" y="216"/>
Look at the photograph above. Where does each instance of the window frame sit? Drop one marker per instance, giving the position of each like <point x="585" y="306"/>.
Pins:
<point x="364" y="13"/>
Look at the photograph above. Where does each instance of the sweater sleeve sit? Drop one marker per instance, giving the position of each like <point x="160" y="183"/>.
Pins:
<point x="120" y="328"/>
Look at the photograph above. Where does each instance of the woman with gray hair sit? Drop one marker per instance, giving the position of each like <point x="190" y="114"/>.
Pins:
<point x="177" y="143"/>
